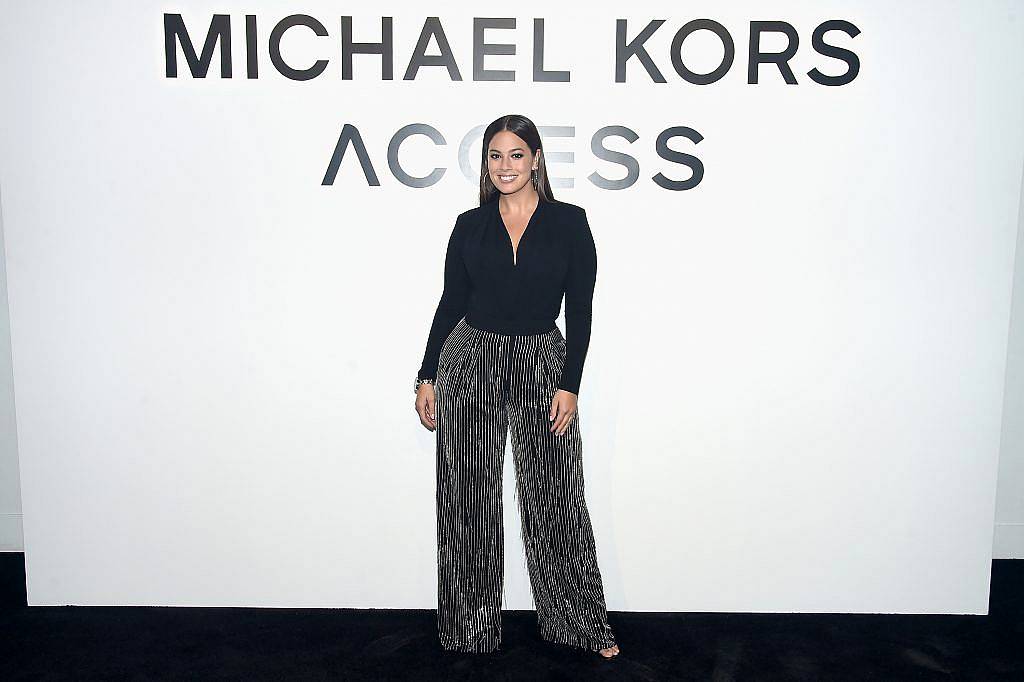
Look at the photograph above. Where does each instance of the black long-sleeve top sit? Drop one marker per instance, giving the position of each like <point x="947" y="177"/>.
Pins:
<point x="556" y="255"/>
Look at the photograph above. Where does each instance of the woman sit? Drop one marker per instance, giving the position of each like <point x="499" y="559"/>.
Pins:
<point x="495" y="360"/>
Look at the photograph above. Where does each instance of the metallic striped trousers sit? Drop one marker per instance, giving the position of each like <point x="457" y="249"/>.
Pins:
<point x="487" y="383"/>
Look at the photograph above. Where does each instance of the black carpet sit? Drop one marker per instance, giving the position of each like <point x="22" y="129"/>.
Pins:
<point x="165" y="643"/>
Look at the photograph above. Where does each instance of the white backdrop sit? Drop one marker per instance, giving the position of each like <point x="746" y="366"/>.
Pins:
<point x="792" y="399"/>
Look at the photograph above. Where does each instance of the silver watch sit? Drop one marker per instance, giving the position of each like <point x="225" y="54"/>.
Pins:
<point x="416" y="386"/>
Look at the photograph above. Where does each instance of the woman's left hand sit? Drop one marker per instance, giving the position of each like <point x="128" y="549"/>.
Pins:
<point x="563" y="409"/>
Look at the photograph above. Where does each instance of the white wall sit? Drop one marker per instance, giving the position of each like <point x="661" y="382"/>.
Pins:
<point x="1009" y="532"/>
<point x="10" y="490"/>
<point x="794" y="393"/>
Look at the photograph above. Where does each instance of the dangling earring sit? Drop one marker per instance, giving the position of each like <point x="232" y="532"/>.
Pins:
<point x="535" y="180"/>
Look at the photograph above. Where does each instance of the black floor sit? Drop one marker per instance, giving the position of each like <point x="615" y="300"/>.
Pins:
<point x="149" y="643"/>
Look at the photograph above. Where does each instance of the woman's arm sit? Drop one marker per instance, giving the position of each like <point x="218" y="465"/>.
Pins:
<point x="452" y="306"/>
<point x="579" y="296"/>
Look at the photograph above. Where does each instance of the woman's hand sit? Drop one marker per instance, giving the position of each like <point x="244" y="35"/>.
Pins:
<point x="425" y="405"/>
<point x="563" y="409"/>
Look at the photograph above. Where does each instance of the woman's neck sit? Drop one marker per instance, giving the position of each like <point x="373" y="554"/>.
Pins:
<point x="519" y="204"/>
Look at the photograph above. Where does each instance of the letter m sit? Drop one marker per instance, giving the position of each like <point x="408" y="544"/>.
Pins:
<point x="175" y="33"/>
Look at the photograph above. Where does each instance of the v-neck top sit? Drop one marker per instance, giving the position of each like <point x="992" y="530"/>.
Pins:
<point x="556" y="256"/>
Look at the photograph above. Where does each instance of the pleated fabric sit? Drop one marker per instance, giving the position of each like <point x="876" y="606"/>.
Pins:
<point x="486" y="384"/>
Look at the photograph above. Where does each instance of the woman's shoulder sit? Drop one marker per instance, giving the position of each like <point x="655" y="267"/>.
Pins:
<point x="473" y="215"/>
<point x="571" y="216"/>
<point x="564" y="209"/>
<point x="564" y="205"/>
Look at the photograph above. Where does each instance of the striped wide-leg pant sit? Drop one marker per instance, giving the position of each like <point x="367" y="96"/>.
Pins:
<point x="487" y="383"/>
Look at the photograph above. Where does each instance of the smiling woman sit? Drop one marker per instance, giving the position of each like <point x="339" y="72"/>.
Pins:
<point x="496" y="360"/>
<point x="513" y="283"/>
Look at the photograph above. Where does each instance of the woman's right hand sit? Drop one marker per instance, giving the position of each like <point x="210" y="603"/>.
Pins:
<point x="425" y="405"/>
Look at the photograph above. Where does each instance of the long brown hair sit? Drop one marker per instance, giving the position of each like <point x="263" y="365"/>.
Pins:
<point x="524" y="128"/>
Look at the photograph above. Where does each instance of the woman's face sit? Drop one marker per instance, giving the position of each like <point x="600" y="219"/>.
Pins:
<point x="510" y="162"/>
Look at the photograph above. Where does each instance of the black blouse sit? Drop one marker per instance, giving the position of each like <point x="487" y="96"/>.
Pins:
<point x="556" y="255"/>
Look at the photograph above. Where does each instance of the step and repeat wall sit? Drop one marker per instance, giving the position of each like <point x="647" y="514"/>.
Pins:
<point x="225" y="231"/>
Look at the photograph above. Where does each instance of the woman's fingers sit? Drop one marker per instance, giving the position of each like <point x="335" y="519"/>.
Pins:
<point x="563" y="416"/>
<point x="425" y="408"/>
<point x="554" y="415"/>
<point x="564" y="423"/>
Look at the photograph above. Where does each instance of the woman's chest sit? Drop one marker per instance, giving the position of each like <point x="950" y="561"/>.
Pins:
<point x="542" y="253"/>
